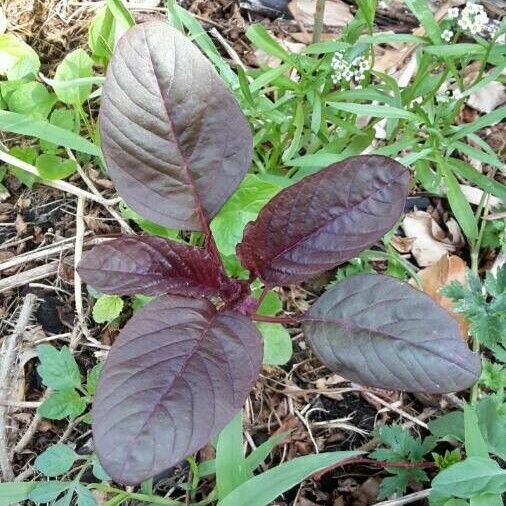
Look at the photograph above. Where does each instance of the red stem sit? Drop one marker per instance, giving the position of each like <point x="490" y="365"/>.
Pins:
<point x="376" y="463"/>
<point x="275" y="319"/>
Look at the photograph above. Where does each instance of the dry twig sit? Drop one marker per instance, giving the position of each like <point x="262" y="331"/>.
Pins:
<point x="8" y="357"/>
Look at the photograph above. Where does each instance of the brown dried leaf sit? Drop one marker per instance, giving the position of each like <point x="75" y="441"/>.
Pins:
<point x="444" y="271"/>
<point x="430" y="242"/>
<point x="337" y="13"/>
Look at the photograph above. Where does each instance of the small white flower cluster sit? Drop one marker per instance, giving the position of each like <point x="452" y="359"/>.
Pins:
<point x="343" y="69"/>
<point x="473" y="18"/>
<point x="447" y="35"/>
<point x="453" y="13"/>
<point x="445" y="97"/>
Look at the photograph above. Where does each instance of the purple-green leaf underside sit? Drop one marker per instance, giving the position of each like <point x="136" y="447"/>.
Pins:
<point x="377" y="331"/>
<point x="175" y="141"/>
<point x="177" y="374"/>
<point x="150" y="266"/>
<point x="325" y="219"/>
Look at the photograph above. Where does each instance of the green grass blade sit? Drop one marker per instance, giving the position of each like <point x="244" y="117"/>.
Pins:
<point x="264" y="488"/>
<point x="376" y="111"/>
<point x="42" y="129"/>
<point x="231" y="467"/>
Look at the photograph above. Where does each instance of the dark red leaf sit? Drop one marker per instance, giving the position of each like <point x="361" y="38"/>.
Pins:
<point x="150" y="266"/>
<point x="325" y="219"/>
<point x="380" y="332"/>
<point x="174" y="138"/>
<point x="178" y="373"/>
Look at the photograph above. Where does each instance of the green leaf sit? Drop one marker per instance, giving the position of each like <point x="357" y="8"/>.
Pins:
<point x="98" y="470"/>
<point x="459" y="204"/>
<point x="53" y="167"/>
<point x="277" y="343"/>
<point x="471" y="477"/>
<point x="258" y="455"/>
<point x="17" y="59"/>
<point x="28" y="155"/>
<point x="62" y="404"/>
<point x="42" y="129"/>
<point x="330" y="46"/>
<point x="121" y="14"/>
<point x="92" y="378"/>
<point x="103" y="34"/>
<point x="259" y="36"/>
<point x="262" y="489"/>
<point x="231" y="467"/>
<point x="483" y="121"/>
<point x="107" y="308"/>
<point x="420" y="8"/>
<point x="148" y="226"/>
<point x="75" y="65"/>
<point x="66" y="499"/>
<point x="492" y="423"/>
<point x="242" y="207"/>
<point x="456" y="50"/>
<point x="139" y="301"/>
<point x="474" y="442"/>
<point x="376" y="111"/>
<point x="58" y="368"/>
<point x="15" y="491"/>
<point x="471" y="174"/>
<point x="84" y="496"/>
<point x="62" y="118"/>
<point x="56" y="460"/>
<point x="392" y="38"/>
<point x="486" y="500"/>
<point x="31" y="99"/>
<point x="271" y="305"/>
<point x="47" y="491"/>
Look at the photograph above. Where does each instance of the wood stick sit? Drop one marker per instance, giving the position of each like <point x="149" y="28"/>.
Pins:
<point x="28" y="276"/>
<point x="8" y="356"/>
<point x="59" y="185"/>
<point x="407" y="499"/>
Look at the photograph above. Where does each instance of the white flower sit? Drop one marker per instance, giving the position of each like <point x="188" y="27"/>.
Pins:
<point x="348" y="70"/>
<point x="447" y="35"/>
<point x="443" y="97"/>
<point x="457" y="94"/>
<point x="473" y="18"/>
<point x="453" y="13"/>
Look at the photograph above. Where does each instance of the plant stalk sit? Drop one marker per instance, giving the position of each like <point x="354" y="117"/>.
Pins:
<point x="318" y="20"/>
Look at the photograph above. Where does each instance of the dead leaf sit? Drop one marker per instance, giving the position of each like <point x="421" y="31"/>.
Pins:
<point x="488" y="98"/>
<point x="473" y="195"/>
<point x="444" y="271"/>
<point x="430" y="242"/>
<point x="21" y="226"/>
<point x="402" y="244"/>
<point x="337" y="13"/>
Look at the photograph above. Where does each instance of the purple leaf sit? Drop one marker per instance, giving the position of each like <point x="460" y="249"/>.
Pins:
<point x="380" y="332"/>
<point x="174" y="138"/>
<point x="150" y="266"/>
<point x="325" y="219"/>
<point x="178" y="373"/>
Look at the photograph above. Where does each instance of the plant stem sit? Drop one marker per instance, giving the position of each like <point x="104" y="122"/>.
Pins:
<point x="376" y="463"/>
<point x="318" y="20"/>
<point x="275" y="319"/>
<point x="475" y="255"/>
